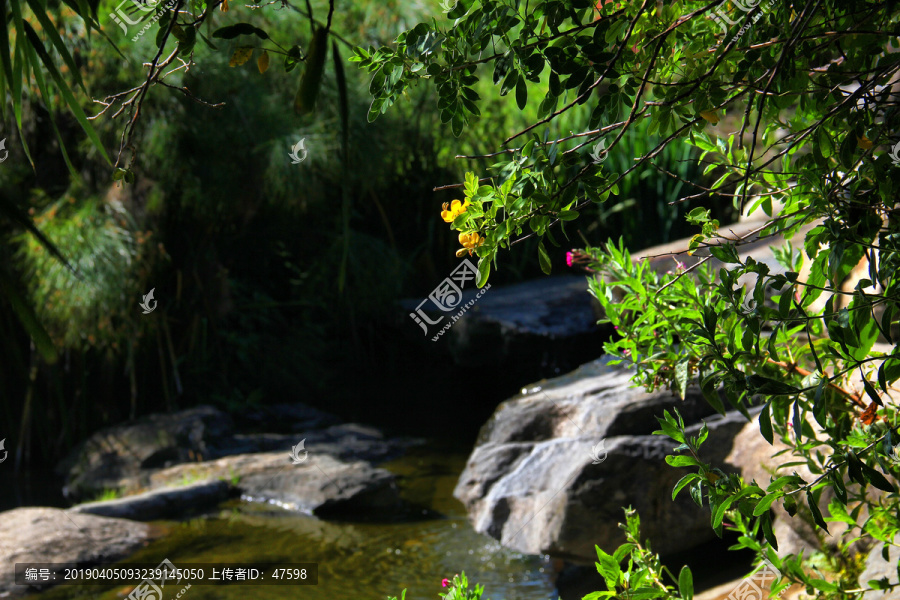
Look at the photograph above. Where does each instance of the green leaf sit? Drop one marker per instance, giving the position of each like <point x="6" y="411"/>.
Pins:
<point x="521" y="94"/>
<point x="311" y="80"/>
<point x="784" y="303"/>
<point x="544" y="258"/>
<point x="5" y="50"/>
<point x="484" y="271"/>
<point x="623" y="551"/>
<point x="50" y="29"/>
<point x="765" y="423"/>
<point x="457" y="123"/>
<point x="816" y="513"/>
<point x="773" y="387"/>
<point x="697" y="493"/>
<point x="764" y="504"/>
<point x="870" y="391"/>
<point x="848" y="147"/>
<point x="682" y="461"/>
<point x="854" y="469"/>
<point x="876" y="478"/>
<point x="509" y="82"/>
<point x="683" y="482"/>
<point x="839" y="512"/>
<point x="821" y="584"/>
<point x="686" y="583"/>
<point x="726" y="253"/>
<point x="63" y="88"/>
<point x="608" y="567"/>
<point x="719" y="515"/>
<point x="765" y="521"/>
<point x="29" y="320"/>
<point x="711" y="393"/>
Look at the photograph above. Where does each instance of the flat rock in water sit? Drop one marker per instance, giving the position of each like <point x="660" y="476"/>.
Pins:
<point x="124" y="457"/>
<point x="540" y="481"/>
<point x="347" y="441"/>
<point x="38" y="534"/>
<point x="163" y="503"/>
<point x="321" y="485"/>
<point x="115" y="457"/>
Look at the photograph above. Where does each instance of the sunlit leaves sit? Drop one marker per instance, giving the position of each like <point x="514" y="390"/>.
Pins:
<point x="804" y="147"/>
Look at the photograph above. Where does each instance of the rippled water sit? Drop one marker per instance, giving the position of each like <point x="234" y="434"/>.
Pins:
<point x="356" y="560"/>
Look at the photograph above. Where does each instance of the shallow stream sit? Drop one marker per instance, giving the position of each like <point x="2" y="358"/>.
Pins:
<point x="356" y="560"/>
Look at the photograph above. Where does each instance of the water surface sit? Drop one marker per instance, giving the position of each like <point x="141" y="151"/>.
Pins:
<point x="356" y="560"/>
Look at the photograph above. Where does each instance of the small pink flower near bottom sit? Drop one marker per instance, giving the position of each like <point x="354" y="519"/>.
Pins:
<point x="445" y="582"/>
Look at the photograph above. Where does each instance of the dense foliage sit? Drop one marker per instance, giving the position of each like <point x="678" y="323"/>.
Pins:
<point x="785" y="107"/>
<point x="249" y="254"/>
<point x="790" y="106"/>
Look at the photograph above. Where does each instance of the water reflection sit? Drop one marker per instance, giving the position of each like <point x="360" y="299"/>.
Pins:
<point x="357" y="560"/>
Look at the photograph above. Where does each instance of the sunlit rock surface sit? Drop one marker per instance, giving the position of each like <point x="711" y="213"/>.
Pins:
<point x="38" y="534"/>
<point x="538" y="481"/>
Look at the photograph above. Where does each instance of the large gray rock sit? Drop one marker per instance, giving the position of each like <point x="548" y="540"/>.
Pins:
<point x="758" y="461"/>
<point x="518" y="326"/>
<point x="115" y="457"/>
<point x="531" y="481"/>
<point x="879" y="568"/>
<point x="754" y="458"/>
<point x="54" y="535"/>
<point x="125" y="457"/>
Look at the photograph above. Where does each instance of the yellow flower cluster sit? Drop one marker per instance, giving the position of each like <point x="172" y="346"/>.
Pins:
<point x="456" y="208"/>
<point x="469" y="240"/>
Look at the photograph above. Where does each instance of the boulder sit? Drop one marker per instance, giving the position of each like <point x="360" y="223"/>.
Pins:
<point x="539" y="480"/>
<point x="521" y="326"/>
<point x="757" y="460"/>
<point x="115" y="457"/>
<point x="879" y="568"/>
<point x="124" y="457"/>
<point x="38" y="534"/>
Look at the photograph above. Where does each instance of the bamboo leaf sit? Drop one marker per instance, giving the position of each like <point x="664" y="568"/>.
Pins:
<point x="74" y="107"/>
<point x="29" y="319"/>
<point x="49" y="29"/>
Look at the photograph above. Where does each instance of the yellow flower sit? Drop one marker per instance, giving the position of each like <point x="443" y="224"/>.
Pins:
<point x="456" y="208"/>
<point x="469" y="241"/>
